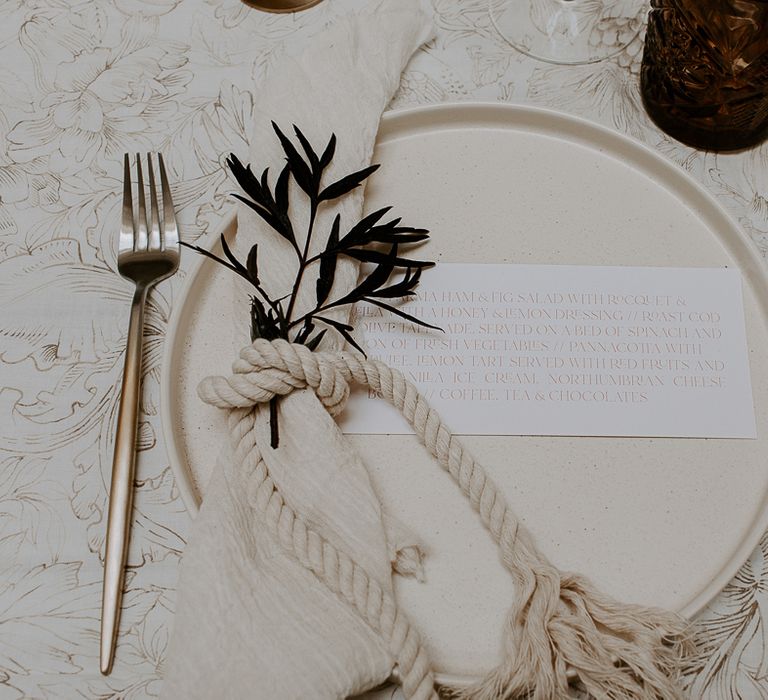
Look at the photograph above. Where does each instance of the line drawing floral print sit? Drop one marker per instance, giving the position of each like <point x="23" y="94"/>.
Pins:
<point x="82" y="82"/>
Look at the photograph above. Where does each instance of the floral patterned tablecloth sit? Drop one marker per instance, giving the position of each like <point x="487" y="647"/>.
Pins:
<point x="83" y="81"/>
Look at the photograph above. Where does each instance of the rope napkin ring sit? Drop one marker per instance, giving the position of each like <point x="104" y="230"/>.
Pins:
<point x="558" y="625"/>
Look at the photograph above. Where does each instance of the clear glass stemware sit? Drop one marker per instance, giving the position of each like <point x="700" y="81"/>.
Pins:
<point x="569" y="32"/>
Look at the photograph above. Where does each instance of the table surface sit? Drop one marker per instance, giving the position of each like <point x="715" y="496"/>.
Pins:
<point x="83" y="81"/>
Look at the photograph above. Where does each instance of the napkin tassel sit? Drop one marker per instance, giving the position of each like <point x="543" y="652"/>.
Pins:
<point x="560" y="630"/>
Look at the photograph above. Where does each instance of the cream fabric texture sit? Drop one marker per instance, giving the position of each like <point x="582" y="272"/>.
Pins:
<point x="251" y="621"/>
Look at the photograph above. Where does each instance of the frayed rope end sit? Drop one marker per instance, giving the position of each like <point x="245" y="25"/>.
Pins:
<point x="408" y="561"/>
<point x="590" y="642"/>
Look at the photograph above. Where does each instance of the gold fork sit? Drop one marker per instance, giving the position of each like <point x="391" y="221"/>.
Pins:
<point x="148" y="252"/>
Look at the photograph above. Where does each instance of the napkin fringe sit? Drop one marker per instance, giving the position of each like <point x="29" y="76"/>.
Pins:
<point x="560" y="629"/>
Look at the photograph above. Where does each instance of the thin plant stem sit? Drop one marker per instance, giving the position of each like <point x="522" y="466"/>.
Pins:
<point x="302" y="263"/>
<point x="257" y="287"/>
<point x="314" y="312"/>
<point x="274" y="432"/>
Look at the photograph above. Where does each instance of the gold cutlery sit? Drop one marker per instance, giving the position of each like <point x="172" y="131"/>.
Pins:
<point x="148" y="252"/>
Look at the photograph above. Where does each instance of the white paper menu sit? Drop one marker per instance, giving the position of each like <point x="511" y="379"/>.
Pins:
<point x="567" y="350"/>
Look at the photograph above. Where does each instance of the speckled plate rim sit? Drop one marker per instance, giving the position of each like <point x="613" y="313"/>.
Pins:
<point x="411" y="121"/>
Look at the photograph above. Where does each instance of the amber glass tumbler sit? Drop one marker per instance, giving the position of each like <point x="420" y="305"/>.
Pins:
<point x="704" y="76"/>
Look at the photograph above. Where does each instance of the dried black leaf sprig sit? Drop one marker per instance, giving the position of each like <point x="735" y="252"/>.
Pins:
<point x="388" y="276"/>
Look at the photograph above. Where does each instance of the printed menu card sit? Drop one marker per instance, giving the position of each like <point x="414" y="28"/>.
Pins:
<point x="567" y="350"/>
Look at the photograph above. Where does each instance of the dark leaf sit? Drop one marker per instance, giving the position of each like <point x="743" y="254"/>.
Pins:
<point x="410" y="229"/>
<point x="298" y="167"/>
<point x="303" y="334"/>
<point x="371" y="282"/>
<point x="278" y="212"/>
<point x="402" y="288"/>
<point x="339" y="325"/>
<point x="230" y="256"/>
<point x="391" y="293"/>
<point x="381" y="273"/>
<point x="281" y="189"/>
<point x="314" y="161"/>
<point x="287" y="229"/>
<point x="252" y="263"/>
<point x="377" y="236"/>
<point x="346" y="184"/>
<point x="328" y="263"/>
<point x="330" y="149"/>
<point x="312" y="343"/>
<point x="281" y="315"/>
<point x="261" y="199"/>
<point x="387" y="233"/>
<point x="263" y="212"/>
<point x="265" y="184"/>
<point x="269" y="199"/>
<point x="344" y="329"/>
<point x="409" y="238"/>
<point x="262" y="323"/>
<point x="282" y="204"/>
<point x="257" y="314"/>
<point x="375" y="256"/>
<point x="402" y="314"/>
<point x="208" y="254"/>
<point x="403" y="232"/>
<point x="274" y="322"/>
<point x="276" y="223"/>
<point x="354" y="237"/>
<point x="246" y="179"/>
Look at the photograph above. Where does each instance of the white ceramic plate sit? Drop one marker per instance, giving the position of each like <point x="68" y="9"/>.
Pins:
<point x="659" y="521"/>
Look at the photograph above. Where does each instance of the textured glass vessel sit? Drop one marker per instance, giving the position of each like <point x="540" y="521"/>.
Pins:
<point x="704" y="75"/>
<point x="569" y="32"/>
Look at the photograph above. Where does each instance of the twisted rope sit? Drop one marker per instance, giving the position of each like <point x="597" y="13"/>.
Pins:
<point x="333" y="567"/>
<point x="558" y="623"/>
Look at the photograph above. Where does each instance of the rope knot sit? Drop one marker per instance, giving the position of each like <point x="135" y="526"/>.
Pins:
<point x="269" y="368"/>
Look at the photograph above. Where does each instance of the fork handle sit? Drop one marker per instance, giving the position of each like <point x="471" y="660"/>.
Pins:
<point x="121" y="489"/>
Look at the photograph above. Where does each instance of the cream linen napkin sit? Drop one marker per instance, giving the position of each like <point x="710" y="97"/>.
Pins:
<point x="251" y="621"/>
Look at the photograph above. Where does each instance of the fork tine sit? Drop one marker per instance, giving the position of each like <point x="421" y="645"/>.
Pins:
<point x="154" y="225"/>
<point x="170" y="229"/>
<point x="127" y="228"/>
<point x="141" y="235"/>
